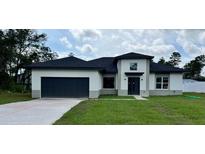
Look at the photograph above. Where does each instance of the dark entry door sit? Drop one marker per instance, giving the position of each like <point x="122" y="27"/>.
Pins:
<point x="133" y="85"/>
<point x="64" y="87"/>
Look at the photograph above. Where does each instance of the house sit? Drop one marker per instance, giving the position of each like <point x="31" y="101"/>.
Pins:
<point x="127" y="74"/>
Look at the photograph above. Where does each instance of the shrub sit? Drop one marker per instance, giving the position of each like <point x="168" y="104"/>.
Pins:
<point x="18" y="88"/>
<point x="5" y="81"/>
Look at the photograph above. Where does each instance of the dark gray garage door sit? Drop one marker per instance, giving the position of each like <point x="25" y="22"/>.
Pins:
<point x="64" y="87"/>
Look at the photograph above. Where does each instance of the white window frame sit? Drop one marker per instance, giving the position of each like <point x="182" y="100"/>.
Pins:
<point x="162" y="82"/>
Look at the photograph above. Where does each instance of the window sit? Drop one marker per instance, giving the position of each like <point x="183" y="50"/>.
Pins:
<point x="133" y="66"/>
<point x="108" y="82"/>
<point x="162" y="82"/>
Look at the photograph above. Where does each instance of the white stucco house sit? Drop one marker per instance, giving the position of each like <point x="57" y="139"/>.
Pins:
<point x="128" y="74"/>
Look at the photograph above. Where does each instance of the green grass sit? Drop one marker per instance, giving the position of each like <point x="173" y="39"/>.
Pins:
<point x="115" y="97"/>
<point x="157" y="110"/>
<point x="8" y="97"/>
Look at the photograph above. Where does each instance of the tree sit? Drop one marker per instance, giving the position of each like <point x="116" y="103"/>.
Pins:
<point x="194" y="67"/>
<point x="175" y="59"/>
<point x="20" y="47"/>
<point x="71" y="54"/>
<point x="162" y="61"/>
<point x="6" y="50"/>
<point x="27" y="44"/>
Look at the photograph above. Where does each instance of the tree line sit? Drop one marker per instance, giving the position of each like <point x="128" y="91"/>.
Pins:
<point x="18" y="48"/>
<point x="193" y="68"/>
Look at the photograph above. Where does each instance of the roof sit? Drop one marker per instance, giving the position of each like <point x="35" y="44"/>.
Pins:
<point x="68" y="63"/>
<point x="162" y="68"/>
<point x="104" y="64"/>
<point x="133" y="55"/>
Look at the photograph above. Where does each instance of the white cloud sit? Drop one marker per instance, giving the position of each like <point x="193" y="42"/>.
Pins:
<point x="202" y="38"/>
<point x="86" y="48"/>
<point x="62" y="54"/>
<point x="192" y="41"/>
<point x="158" y="41"/>
<point x="86" y="34"/>
<point x="64" y="41"/>
<point x="92" y="43"/>
<point x="150" y="42"/>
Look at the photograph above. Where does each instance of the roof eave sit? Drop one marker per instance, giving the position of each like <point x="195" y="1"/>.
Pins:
<point x="70" y="68"/>
<point x="166" y="72"/>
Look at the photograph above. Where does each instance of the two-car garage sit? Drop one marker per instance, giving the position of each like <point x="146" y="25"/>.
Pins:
<point x="65" y="83"/>
<point x="64" y="87"/>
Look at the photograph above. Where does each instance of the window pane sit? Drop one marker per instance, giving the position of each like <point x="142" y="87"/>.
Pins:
<point x="165" y="79"/>
<point x="133" y="66"/>
<point x="165" y="86"/>
<point x="158" y="79"/>
<point x="108" y="82"/>
<point x="158" y="86"/>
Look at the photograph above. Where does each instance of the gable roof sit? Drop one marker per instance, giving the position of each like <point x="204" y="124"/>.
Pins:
<point x="133" y="55"/>
<point x="104" y="64"/>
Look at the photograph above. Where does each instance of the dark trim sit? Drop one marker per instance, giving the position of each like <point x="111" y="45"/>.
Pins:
<point x="68" y="68"/>
<point x="134" y="73"/>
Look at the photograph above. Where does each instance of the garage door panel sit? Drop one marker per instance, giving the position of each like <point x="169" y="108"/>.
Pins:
<point x="64" y="87"/>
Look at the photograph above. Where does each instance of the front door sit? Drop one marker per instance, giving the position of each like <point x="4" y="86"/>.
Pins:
<point x="133" y="85"/>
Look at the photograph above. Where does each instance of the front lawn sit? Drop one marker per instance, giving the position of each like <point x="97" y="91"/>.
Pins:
<point x="157" y="110"/>
<point x="9" y="97"/>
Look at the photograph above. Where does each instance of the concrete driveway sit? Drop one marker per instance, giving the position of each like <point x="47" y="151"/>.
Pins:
<point x="36" y="112"/>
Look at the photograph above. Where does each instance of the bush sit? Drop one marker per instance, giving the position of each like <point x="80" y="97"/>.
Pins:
<point x="200" y="78"/>
<point x="5" y="81"/>
<point x="18" y="88"/>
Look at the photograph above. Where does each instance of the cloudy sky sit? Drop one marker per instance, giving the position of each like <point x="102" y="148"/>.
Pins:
<point x="93" y="43"/>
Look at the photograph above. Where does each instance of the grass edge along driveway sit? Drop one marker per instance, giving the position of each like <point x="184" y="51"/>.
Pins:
<point x="155" y="111"/>
<point x="9" y="97"/>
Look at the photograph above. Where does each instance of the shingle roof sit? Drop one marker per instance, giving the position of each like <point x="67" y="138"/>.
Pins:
<point x="68" y="63"/>
<point x="104" y="64"/>
<point x="133" y="55"/>
<point x="162" y="68"/>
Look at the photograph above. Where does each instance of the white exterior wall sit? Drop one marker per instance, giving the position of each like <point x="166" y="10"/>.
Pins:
<point x="176" y="81"/>
<point x="152" y="81"/>
<point x="124" y="66"/>
<point x="94" y="77"/>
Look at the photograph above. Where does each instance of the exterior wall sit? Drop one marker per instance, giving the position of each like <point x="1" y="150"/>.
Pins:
<point x="94" y="79"/>
<point x="176" y="81"/>
<point x="124" y="66"/>
<point x="165" y="92"/>
<point x="108" y="92"/>
<point x="152" y="81"/>
<point x="175" y="85"/>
